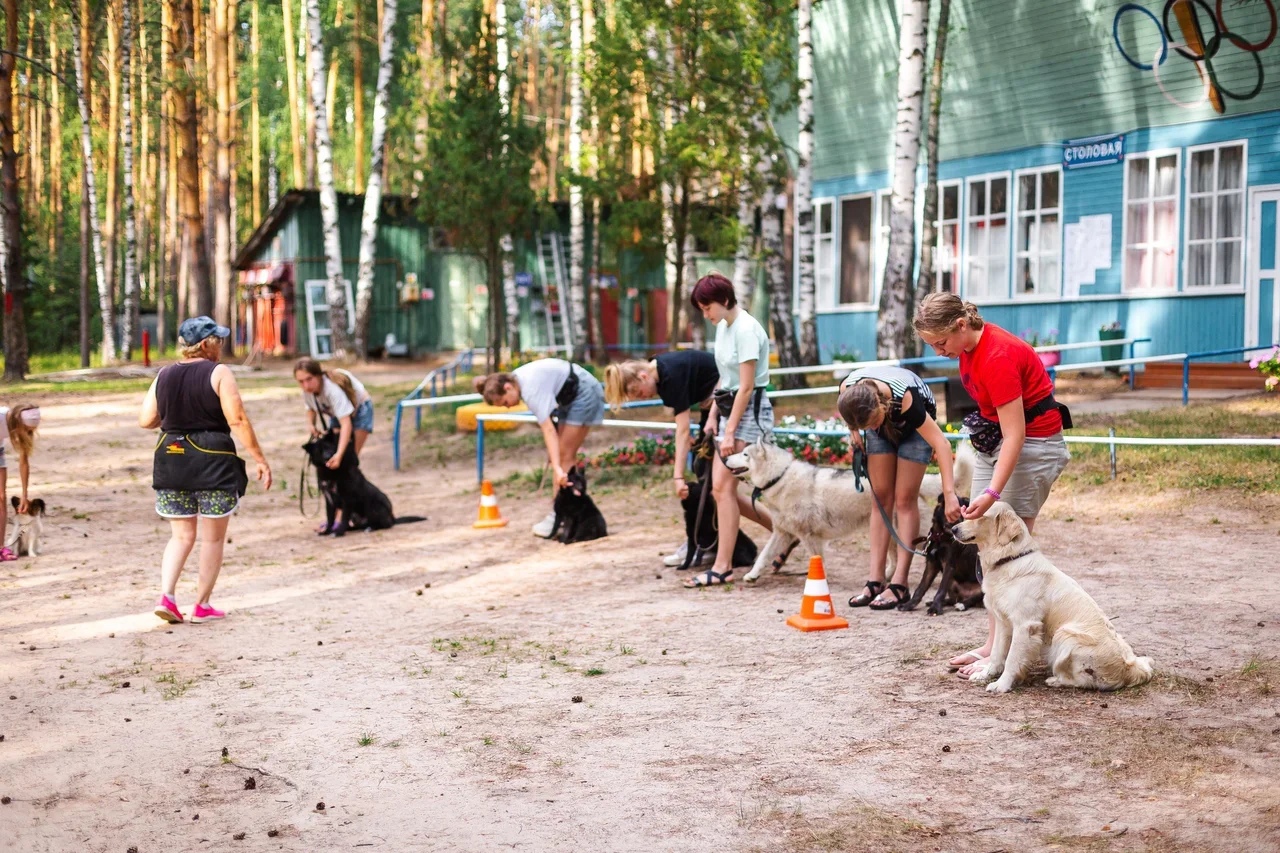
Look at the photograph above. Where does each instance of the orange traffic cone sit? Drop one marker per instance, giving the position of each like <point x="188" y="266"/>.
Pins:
<point x="817" y="613"/>
<point x="489" y="515"/>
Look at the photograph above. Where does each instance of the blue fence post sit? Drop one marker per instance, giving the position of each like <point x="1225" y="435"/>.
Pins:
<point x="480" y="451"/>
<point x="395" y="437"/>
<point x="1186" y="380"/>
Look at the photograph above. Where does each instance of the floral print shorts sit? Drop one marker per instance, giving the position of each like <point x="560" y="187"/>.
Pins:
<point x="183" y="503"/>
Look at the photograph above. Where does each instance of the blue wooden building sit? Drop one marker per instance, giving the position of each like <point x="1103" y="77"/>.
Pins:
<point x="1101" y="161"/>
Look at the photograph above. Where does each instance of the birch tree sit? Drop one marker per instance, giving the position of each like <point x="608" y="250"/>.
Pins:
<point x="506" y="244"/>
<point x="373" y="190"/>
<point x="807" y="289"/>
<point x="577" y="302"/>
<point x="336" y="292"/>
<point x="926" y="278"/>
<point x="195" y="291"/>
<point x="86" y="151"/>
<point x="893" y="328"/>
<point x="129" y="286"/>
<point x="221" y="186"/>
<point x="291" y="76"/>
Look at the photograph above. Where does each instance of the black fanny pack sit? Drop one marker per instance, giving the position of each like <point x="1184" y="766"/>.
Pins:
<point x="724" y="402"/>
<point x="198" y="461"/>
<point x="568" y="391"/>
<point x="985" y="435"/>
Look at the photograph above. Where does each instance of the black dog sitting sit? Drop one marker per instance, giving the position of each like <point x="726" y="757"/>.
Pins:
<point x="345" y="488"/>
<point x="706" y="534"/>
<point x="956" y="562"/>
<point x="578" y="519"/>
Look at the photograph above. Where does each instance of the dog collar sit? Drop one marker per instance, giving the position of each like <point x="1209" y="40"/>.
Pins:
<point x="757" y="491"/>
<point x="1000" y="562"/>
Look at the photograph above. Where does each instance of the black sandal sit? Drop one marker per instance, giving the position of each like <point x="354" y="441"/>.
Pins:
<point x="862" y="600"/>
<point x="900" y="594"/>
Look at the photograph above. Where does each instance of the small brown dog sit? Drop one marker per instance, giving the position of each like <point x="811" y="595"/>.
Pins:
<point x="961" y="583"/>
<point x="29" y="526"/>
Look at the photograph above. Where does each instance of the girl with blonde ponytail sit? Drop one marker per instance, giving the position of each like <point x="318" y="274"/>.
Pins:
<point x="18" y="427"/>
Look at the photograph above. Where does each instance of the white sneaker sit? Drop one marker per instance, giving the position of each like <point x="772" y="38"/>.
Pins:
<point x="677" y="559"/>
<point x="543" y="528"/>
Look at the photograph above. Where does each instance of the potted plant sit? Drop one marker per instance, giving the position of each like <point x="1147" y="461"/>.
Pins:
<point x="844" y="354"/>
<point x="1048" y="359"/>
<point x="1268" y="367"/>
<point x="1112" y="331"/>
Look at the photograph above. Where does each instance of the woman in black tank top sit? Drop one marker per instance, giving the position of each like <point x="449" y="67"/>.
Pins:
<point x="196" y="474"/>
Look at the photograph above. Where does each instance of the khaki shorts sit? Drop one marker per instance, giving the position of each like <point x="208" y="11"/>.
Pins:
<point x="1039" y="464"/>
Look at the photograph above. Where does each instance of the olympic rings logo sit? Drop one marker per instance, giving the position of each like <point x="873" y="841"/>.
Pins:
<point x="1195" y="47"/>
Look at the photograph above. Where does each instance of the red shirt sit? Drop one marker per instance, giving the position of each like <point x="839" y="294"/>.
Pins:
<point x="1003" y="368"/>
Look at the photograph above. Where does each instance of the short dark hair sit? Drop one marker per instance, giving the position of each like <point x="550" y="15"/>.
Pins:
<point x="713" y="287"/>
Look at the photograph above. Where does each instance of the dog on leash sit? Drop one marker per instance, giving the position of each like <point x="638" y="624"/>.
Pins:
<point x="956" y="562"/>
<point x="345" y="488"/>
<point x="28" y="527"/>
<point x="1041" y="613"/>
<point x="813" y="505"/>
<point x="702" y="537"/>
<point x="578" y="519"/>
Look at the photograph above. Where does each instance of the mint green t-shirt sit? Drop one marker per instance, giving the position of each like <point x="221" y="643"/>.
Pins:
<point x="745" y="340"/>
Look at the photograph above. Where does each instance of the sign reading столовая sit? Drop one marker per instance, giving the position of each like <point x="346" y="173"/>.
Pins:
<point x="1093" y="151"/>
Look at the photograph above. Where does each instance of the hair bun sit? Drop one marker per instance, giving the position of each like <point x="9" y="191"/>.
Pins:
<point x="477" y="383"/>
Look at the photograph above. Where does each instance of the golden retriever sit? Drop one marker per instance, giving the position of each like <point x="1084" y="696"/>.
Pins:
<point x="1042" y="613"/>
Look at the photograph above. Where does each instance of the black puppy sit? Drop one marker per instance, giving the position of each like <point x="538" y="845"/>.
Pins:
<point x="345" y="488"/>
<point x="956" y="562"/>
<point x="702" y="538"/>
<point x="578" y="519"/>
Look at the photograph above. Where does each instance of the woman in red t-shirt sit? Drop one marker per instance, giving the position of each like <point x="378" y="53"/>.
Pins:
<point x="1004" y="376"/>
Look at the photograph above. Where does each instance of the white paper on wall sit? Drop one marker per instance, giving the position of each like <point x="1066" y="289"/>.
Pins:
<point x="1087" y="245"/>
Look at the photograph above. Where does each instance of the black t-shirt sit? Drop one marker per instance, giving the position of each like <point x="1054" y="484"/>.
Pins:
<point x="686" y="378"/>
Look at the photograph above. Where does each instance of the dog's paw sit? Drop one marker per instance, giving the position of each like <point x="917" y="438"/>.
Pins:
<point x="751" y="577"/>
<point x="933" y="610"/>
<point x="1052" y="681"/>
<point x="907" y="605"/>
<point x="1000" y="686"/>
<point x="960" y="605"/>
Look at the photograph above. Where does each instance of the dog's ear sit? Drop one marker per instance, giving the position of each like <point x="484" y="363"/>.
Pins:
<point x="1008" y="526"/>
<point x="13" y="501"/>
<point x="37" y="506"/>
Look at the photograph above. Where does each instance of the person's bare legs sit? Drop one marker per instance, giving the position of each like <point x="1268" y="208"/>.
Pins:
<point x="213" y="536"/>
<point x="756" y="513"/>
<point x="970" y="662"/>
<point x="724" y="486"/>
<point x="362" y="435"/>
<point x="4" y="502"/>
<point x="182" y="537"/>
<point x="906" y="505"/>
<point x="882" y="469"/>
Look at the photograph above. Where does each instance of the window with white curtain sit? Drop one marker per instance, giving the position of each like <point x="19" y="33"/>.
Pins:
<point x="987" y="238"/>
<point x="1038" y="249"/>
<point x="1151" y="221"/>
<point x="1215" y="215"/>
<point x="824" y="251"/>
<point x="947" y="262"/>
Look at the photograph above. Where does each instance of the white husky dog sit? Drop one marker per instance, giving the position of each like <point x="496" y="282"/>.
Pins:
<point x="814" y="505"/>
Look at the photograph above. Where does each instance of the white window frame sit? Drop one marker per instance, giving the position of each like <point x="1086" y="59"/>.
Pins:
<point x="1050" y="289"/>
<point x="827" y="304"/>
<point x="965" y="220"/>
<point x="958" y="258"/>
<point x="824" y="295"/>
<point x="313" y="306"/>
<point x="880" y="235"/>
<point x="1127" y="287"/>
<point x="1185" y="225"/>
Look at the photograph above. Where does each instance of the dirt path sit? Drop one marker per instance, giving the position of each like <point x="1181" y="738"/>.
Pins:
<point x="423" y="682"/>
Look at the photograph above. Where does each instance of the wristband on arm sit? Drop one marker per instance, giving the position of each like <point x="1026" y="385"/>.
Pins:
<point x="992" y="492"/>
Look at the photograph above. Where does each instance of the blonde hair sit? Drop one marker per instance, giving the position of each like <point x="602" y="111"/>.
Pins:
<point x="494" y="386"/>
<point x="200" y="349"/>
<point x="338" y="377"/>
<point x="23" y="436"/>
<point x="619" y="377"/>
<point x="941" y="313"/>
<point x="861" y="401"/>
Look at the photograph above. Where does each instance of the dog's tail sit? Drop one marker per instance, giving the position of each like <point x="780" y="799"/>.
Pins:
<point x="963" y="470"/>
<point x="409" y="519"/>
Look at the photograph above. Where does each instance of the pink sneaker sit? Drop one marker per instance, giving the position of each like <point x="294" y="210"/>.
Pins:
<point x="168" y="610"/>
<point x="205" y="613"/>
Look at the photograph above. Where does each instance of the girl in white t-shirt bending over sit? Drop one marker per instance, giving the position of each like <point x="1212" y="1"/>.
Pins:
<point x="339" y="400"/>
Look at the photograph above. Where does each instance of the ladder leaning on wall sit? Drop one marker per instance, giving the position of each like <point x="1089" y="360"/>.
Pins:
<point x="554" y="285"/>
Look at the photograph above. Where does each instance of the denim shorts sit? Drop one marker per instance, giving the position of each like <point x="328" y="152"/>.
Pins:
<point x="751" y="428"/>
<point x="587" y="409"/>
<point x="361" y="418"/>
<point x="912" y="448"/>
<point x="185" y="503"/>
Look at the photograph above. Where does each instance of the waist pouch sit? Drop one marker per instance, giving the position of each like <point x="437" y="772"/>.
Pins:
<point x="985" y="435"/>
<point x="198" y="461"/>
<point x="569" y="390"/>
<point x="724" y="402"/>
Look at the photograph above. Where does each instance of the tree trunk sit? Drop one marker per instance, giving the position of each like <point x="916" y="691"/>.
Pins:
<point x="55" y="132"/>
<point x="373" y="192"/>
<point x="506" y="245"/>
<point x="926" y="278"/>
<point x="81" y="53"/>
<point x="111" y="214"/>
<point x="807" y="291"/>
<point x="308" y="72"/>
<point x="331" y="86"/>
<point x="776" y="280"/>
<point x="357" y="98"/>
<point x="328" y="195"/>
<point x="599" y="353"/>
<point x="129" y="287"/>
<point x="677" y="314"/>
<point x="86" y="151"/>
<point x="167" y="184"/>
<point x="744" y="283"/>
<point x="291" y="71"/>
<point x="255" y="117"/>
<point x="577" y="301"/>
<point x="15" y="323"/>
<point x="221" y="202"/>
<point x="894" y="338"/>
<point x="196" y="294"/>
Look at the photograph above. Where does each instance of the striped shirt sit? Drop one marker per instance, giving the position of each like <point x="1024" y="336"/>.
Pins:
<point x="900" y="381"/>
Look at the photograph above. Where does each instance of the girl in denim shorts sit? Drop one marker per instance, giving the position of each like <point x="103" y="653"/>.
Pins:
<point x="897" y="410"/>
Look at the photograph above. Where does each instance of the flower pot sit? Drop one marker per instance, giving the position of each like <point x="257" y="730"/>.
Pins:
<point x="1112" y="353"/>
<point x="1050" y="359"/>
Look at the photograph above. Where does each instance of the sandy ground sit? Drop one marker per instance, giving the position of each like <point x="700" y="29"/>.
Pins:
<point x="444" y="689"/>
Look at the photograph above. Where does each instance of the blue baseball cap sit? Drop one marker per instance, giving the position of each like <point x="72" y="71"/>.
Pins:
<point x="196" y="329"/>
